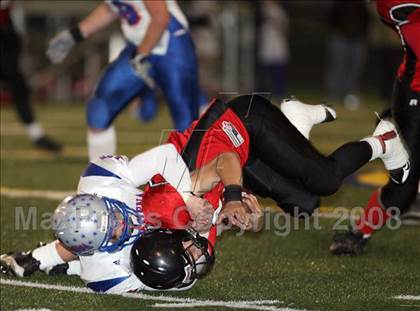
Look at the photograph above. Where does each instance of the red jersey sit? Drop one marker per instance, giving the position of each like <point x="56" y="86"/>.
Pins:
<point x="227" y="134"/>
<point x="404" y="17"/>
<point x="162" y="204"/>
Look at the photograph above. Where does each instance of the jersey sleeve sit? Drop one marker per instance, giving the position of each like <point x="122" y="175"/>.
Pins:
<point x="163" y="160"/>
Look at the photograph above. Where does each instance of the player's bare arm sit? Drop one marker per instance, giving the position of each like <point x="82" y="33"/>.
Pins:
<point x="97" y="20"/>
<point x="226" y="168"/>
<point x="159" y="21"/>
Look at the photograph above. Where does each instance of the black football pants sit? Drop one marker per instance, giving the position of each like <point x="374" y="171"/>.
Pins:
<point x="284" y="165"/>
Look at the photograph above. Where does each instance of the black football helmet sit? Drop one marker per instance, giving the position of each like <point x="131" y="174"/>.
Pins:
<point x="161" y="261"/>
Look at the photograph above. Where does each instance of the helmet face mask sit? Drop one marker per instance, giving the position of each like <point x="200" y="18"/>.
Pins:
<point x="121" y="216"/>
<point x="86" y="223"/>
<point x="164" y="259"/>
<point x="200" y="256"/>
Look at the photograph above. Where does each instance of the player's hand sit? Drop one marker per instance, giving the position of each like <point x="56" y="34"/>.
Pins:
<point x="235" y="213"/>
<point x="142" y="67"/>
<point x="202" y="220"/>
<point x="60" y="46"/>
<point x="254" y="207"/>
<point x="201" y="212"/>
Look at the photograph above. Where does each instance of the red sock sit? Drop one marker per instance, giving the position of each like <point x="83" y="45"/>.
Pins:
<point x="374" y="215"/>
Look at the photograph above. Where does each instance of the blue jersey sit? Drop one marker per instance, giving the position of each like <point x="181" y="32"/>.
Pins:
<point x="173" y="62"/>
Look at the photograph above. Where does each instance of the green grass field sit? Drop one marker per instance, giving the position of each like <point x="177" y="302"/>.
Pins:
<point x="295" y="270"/>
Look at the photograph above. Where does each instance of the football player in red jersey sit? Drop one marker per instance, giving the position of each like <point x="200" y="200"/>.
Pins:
<point x="404" y="17"/>
<point x="249" y="142"/>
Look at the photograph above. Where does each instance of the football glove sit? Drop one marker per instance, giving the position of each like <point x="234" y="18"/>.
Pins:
<point x="18" y="264"/>
<point x="61" y="45"/>
<point x="142" y="67"/>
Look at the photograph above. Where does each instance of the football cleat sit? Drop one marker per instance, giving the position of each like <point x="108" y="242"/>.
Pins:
<point x="351" y="242"/>
<point x="47" y="144"/>
<point x="330" y="114"/>
<point x="394" y="155"/>
<point x="304" y="116"/>
<point x="18" y="264"/>
<point x="60" y="269"/>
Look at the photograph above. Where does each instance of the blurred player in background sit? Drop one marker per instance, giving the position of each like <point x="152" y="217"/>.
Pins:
<point x="404" y="17"/>
<point x="159" y="50"/>
<point x="346" y="49"/>
<point x="10" y="73"/>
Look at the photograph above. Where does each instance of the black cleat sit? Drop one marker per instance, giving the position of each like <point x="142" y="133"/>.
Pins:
<point x="60" y="269"/>
<point x="350" y="242"/>
<point x="47" y="144"/>
<point x="330" y="114"/>
<point x="18" y="264"/>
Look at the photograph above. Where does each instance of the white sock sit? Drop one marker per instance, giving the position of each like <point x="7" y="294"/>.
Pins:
<point x="34" y="131"/>
<point x="303" y="116"/>
<point x="74" y="267"/>
<point x="47" y="255"/>
<point x="101" y="143"/>
<point x="375" y="145"/>
<point x="318" y="113"/>
<point x="299" y="120"/>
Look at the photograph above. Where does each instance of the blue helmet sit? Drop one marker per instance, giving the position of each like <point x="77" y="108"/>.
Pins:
<point x="85" y="223"/>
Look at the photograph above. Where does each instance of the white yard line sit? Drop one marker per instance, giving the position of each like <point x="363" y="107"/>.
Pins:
<point x="407" y="297"/>
<point x="30" y="193"/>
<point x="163" y="300"/>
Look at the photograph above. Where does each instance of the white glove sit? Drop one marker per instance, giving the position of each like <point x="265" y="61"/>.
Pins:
<point x="142" y="67"/>
<point x="60" y="46"/>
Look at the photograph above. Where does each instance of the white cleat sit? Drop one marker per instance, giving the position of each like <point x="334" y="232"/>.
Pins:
<point x="304" y="116"/>
<point x="394" y="155"/>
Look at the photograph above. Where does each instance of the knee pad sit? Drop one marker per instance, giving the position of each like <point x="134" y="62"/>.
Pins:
<point x="148" y="108"/>
<point x="98" y="114"/>
<point x="117" y="87"/>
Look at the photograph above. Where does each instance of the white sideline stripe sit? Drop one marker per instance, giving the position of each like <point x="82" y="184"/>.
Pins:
<point x="407" y="297"/>
<point x="169" y="301"/>
<point x="29" y="193"/>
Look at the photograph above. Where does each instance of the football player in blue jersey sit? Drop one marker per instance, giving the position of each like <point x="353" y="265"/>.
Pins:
<point x="159" y="52"/>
